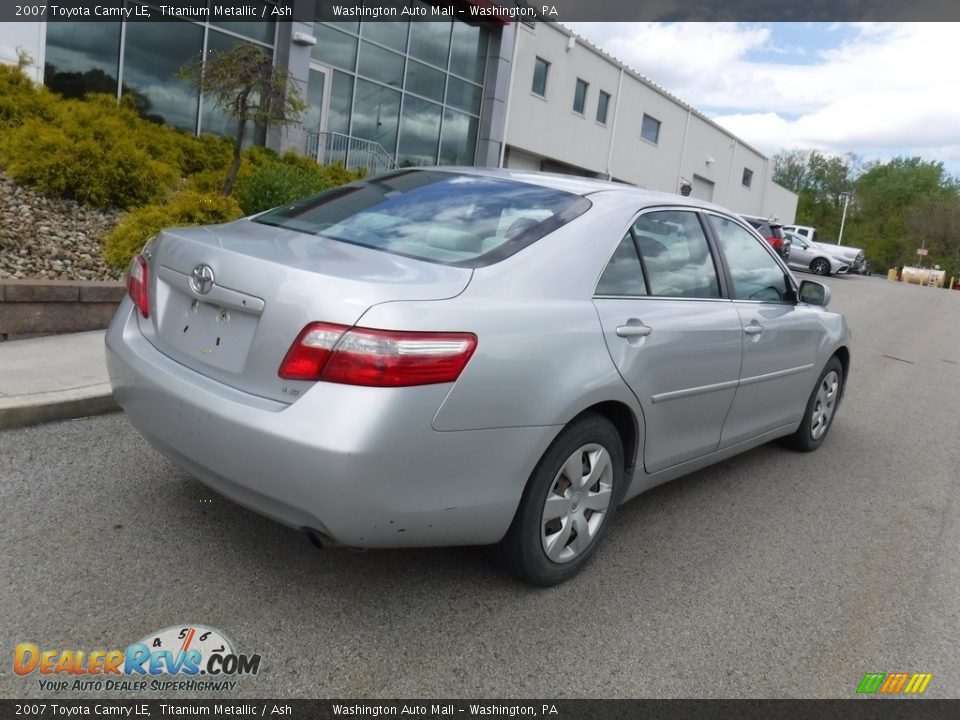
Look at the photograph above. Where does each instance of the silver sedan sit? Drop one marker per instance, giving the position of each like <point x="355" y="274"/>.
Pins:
<point x="461" y="356"/>
<point x="815" y="258"/>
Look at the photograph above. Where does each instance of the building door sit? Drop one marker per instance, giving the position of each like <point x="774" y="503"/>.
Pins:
<point x="702" y="189"/>
<point x="318" y="101"/>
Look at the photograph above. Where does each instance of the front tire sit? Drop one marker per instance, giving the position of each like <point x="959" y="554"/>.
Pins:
<point x="821" y="409"/>
<point x="568" y="503"/>
<point x="820" y="266"/>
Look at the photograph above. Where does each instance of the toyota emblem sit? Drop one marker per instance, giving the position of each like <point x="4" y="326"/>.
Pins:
<point x="201" y="279"/>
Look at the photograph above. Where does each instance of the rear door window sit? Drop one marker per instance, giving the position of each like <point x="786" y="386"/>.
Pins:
<point x="676" y="255"/>
<point x="623" y="274"/>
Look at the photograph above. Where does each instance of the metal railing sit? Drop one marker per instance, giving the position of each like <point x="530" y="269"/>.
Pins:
<point x="330" y="148"/>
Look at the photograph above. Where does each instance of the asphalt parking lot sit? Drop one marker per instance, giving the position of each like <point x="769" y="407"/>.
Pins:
<point x="774" y="574"/>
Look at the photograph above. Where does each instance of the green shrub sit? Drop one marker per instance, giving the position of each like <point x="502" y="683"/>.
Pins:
<point x="104" y="153"/>
<point x="210" y="179"/>
<point x="183" y="208"/>
<point x="95" y="152"/>
<point x="287" y="179"/>
<point x="21" y="100"/>
<point x="204" y="154"/>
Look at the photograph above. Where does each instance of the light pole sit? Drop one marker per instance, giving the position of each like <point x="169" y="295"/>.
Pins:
<point x="843" y="218"/>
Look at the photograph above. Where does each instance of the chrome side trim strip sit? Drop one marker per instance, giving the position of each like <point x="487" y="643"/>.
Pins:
<point x="687" y="392"/>
<point x="702" y="389"/>
<point x="777" y="374"/>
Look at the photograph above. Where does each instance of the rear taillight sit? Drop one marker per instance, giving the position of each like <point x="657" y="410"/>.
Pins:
<point x="309" y="353"/>
<point x="775" y="241"/>
<point x="137" y="283"/>
<point x="376" y="358"/>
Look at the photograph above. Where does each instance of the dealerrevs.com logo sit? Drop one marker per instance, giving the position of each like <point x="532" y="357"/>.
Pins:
<point x="183" y="657"/>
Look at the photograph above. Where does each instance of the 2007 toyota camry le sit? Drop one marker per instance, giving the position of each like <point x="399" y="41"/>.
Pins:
<point x="454" y="356"/>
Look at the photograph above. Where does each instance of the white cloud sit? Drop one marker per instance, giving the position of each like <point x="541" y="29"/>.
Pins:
<point x="890" y="88"/>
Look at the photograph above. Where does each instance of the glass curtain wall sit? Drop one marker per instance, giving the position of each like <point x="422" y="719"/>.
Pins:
<point x="414" y="88"/>
<point x="141" y="59"/>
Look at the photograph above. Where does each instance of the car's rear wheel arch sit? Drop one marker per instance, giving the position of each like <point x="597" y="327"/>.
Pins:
<point x="625" y="422"/>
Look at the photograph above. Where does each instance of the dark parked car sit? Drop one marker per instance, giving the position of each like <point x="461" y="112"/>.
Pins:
<point x="772" y="232"/>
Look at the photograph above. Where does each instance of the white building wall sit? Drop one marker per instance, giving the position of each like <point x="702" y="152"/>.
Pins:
<point x="636" y="160"/>
<point x="780" y="204"/>
<point x="29" y="37"/>
<point x="689" y="148"/>
<point x="541" y="125"/>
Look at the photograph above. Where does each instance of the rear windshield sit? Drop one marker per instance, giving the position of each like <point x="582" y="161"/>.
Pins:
<point x="454" y="219"/>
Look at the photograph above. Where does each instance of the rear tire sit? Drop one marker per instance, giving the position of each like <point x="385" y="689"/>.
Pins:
<point x="568" y="503"/>
<point x="821" y="409"/>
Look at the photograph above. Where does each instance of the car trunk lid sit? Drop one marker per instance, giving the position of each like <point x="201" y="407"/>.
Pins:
<point x="227" y="301"/>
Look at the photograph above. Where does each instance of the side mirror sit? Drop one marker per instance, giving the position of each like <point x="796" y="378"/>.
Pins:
<point x="814" y="293"/>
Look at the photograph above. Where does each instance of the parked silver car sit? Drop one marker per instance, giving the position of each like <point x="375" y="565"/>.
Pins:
<point x="813" y="257"/>
<point x="854" y="256"/>
<point x="465" y="356"/>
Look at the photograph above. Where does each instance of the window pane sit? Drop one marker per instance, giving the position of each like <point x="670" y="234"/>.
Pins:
<point x="468" y="55"/>
<point x="351" y="27"/>
<point x="623" y="274"/>
<point x="82" y="57"/>
<point x="393" y="34"/>
<point x="341" y="100"/>
<point x="153" y="54"/>
<point x="747" y="177"/>
<point x="376" y="114"/>
<point x="430" y="41"/>
<point x="335" y="48"/>
<point x="380" y="64"/>
<point x="540" y="69"/>
<point x="424" y="80"/>
<point x="676" y="255"/>
<point x="419" y="132"/>
<point x="463" y="95"/>
<point x="315" y="88"/>
<point x="580" y="96"/>
<point x="216" y="120"/>
<point x="756" y="275"/>
<point x="603" y="102"/>
<point x="651" y="129"/>
<point x="458" y="145"/>
<point x="262" y="31"/>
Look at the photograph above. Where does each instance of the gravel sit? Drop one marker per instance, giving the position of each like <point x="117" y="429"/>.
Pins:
<point x="52" y="239"/>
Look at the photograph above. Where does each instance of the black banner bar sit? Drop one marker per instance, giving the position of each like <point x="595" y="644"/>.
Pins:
<point x="857" y="709"/>
<point x="477" y="10"/>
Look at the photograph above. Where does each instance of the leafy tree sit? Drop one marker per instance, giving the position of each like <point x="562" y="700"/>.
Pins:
<point x="820" y="182"/>
<point x="895" y="206"/>
<point x="245" y="84"/>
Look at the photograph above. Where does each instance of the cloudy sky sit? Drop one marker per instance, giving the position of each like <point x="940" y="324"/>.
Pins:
<point x="878" y="90"/>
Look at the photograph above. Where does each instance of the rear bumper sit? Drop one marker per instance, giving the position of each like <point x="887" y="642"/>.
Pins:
<point x="360" y="465"/>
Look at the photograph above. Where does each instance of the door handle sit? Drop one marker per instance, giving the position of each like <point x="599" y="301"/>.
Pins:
<point x="753" y="329"/>
<point x="626" y="331"/>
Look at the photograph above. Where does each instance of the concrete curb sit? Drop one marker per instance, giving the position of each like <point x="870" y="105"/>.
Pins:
<point x="57" y="405"/>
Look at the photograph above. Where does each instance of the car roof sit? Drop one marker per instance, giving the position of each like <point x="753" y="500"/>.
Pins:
<point x="584" y="186"/>
<point x="761" y="220"/>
